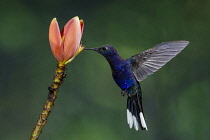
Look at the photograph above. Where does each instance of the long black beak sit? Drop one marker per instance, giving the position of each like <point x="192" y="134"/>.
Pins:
<point x="94" y="49"/>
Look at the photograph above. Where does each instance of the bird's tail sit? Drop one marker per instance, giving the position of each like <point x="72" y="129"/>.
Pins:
<point x="135" y="114"/>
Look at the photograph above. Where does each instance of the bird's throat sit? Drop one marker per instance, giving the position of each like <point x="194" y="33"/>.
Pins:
<point x="114" y="60"/>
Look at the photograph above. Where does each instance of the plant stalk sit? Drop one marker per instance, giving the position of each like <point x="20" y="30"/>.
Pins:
<point x="47" y="107"/>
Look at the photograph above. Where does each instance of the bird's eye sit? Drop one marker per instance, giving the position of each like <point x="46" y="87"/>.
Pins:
<point x="104" y="48"/>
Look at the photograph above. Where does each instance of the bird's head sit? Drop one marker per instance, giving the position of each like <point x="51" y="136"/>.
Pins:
<point x="106" y="50"/>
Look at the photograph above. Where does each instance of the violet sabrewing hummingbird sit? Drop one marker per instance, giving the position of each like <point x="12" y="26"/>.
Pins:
<point x="128" y="73"/>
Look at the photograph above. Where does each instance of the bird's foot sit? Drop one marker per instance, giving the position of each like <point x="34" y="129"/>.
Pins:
<point x="123" y="93"/>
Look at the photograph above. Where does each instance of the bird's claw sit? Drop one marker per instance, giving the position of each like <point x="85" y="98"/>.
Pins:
<point x="123" y="93"/>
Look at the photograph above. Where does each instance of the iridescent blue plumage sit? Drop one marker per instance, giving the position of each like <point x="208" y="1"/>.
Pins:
<point x="123" y="75"/>
<point x="128" y="73"/>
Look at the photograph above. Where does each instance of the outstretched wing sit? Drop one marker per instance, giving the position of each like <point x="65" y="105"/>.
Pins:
<point x="151" y="60"/>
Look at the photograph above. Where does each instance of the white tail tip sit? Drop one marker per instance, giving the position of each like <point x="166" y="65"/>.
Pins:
<point x="143" y="122"/>
<point x="129" y="118"/>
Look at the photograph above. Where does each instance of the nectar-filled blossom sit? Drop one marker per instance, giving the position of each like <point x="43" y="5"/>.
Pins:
<point x="65" y="45"/>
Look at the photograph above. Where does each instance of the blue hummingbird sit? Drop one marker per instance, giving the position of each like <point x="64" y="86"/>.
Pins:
<point x="128" y="73"/>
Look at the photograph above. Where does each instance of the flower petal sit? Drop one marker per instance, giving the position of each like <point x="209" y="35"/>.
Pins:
<point x="78" y="51"/>
<point x="82" y="25"/>
<point x="55" y="40"/>
<point x="72" y="33"/>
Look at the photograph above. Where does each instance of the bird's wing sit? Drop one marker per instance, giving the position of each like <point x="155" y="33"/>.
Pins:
<point x="151" y="60"/>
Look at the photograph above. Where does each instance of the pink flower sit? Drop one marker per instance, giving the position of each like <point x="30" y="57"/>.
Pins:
<point x="65" y="45"/>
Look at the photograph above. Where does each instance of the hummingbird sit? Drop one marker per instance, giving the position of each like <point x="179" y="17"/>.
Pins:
<point x="130" y="72"/>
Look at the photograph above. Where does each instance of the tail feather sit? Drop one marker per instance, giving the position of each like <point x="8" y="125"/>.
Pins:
<point x="135" y="114"/>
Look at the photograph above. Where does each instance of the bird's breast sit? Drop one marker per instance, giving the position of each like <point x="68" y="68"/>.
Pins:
<point x="123" y="76"/>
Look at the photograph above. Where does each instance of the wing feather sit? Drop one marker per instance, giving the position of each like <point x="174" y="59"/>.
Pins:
<point x="151" y="60"/>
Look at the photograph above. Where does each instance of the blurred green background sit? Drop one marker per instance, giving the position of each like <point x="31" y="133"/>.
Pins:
<point x="89" y="105"/>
